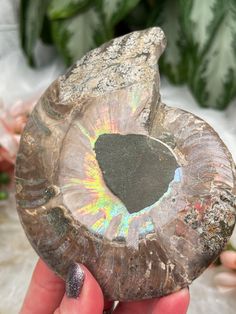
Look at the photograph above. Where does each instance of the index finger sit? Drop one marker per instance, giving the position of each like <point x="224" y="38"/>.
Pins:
<point x="45" y="291"/>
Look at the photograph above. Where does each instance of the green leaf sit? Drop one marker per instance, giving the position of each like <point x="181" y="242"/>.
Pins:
<point x="4" y="178"/>
<point x="197" y="16"/>
<point x="137" y="18"/>
<point x="77" y="35"/>
<point x="115" y="10"/>
<point x="46" y="35"/>
<point x="32" y="14"/>
<point x="60" y="9"/>
<point x="230" y="247"/>
<point x="3" y="195"/>
<point x="174" y="62"/>
<point x="210" y="28"/>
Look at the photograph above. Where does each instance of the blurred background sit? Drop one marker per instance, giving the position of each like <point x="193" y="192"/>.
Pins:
<point x="39" y="39"/>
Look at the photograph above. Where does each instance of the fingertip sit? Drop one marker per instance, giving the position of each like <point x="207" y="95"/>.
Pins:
<point x="44" y="285"/>
<point x="177" y="303"/>
<point x="42" y="273"/>
<point x="74" y="281"/>
<point x="89" y="300"/>
<point x="228" y="259"/>
<point x="91" y="286"/>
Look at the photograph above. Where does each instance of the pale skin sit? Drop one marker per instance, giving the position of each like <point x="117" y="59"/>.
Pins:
<point x="46" y="295"/>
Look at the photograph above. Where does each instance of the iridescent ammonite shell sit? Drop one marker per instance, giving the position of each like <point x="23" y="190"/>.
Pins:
<point x="109" y="176"/>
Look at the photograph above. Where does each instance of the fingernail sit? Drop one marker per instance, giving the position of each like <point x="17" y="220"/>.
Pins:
<point x="74" y="281"/>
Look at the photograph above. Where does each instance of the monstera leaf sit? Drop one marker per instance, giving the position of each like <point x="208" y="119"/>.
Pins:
<point x="210" y="29"/>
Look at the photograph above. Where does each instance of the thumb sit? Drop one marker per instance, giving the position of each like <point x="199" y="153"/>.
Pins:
<point x="83" y="293"/>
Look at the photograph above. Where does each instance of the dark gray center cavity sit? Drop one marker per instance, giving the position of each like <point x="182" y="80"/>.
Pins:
<point x="136" y="168"/>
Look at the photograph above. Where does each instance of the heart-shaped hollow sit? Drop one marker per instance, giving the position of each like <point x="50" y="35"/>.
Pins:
<point x="136" y="168"/>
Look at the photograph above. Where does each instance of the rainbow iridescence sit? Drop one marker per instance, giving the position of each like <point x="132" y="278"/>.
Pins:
<point x="104" y="213"/>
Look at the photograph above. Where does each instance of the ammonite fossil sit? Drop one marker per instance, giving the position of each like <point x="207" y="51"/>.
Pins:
<point x="109" y="176"/>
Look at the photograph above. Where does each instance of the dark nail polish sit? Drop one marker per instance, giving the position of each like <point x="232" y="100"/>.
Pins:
<point x="74" y="281"/>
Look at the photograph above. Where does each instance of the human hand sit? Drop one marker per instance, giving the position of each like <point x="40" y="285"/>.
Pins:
<point x="46" y="295"/>
<point x="228" y="259"/>
<point x="225" y="280"/>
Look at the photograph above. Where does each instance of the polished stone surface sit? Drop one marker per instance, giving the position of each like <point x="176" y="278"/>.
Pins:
<point x="17" y="260"/>
<point x="68" y="211"/>
<point x="17" y="256"/>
